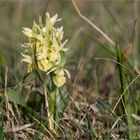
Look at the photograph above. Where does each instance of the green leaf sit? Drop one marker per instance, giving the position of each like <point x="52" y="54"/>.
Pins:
<point x="16" y="97"/>
<point x="63" y="98"/>
<point x="63" y="58"/>
<point x="57" y="102"/>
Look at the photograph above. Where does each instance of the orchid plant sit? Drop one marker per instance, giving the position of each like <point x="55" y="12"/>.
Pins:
<point x="45" y="51"/>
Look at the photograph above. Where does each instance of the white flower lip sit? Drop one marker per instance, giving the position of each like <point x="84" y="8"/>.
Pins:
<point x="28" y="32"/>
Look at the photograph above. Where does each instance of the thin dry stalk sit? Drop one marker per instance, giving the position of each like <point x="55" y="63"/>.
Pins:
<point x="93" y="25"/>
<point x="118" y="119"/>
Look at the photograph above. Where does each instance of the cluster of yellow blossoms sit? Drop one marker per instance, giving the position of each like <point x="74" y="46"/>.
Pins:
<point x="45" y="49"/>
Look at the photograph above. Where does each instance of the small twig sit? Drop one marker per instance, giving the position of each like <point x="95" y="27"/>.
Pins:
<point x="93" y="25"/>
<point x="118" y="119"/>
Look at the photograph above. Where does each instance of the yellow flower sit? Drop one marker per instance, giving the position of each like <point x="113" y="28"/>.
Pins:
<point x="44" y="64"/>
<point x="59" y="79"/>
<point x="38" y="46"/>
<point x="41" y="48"/>
<point x="53" y="54"/>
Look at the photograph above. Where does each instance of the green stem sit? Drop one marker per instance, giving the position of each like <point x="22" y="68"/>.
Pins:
<point x="122" y="77"/>
<point x="53" y="108"/>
